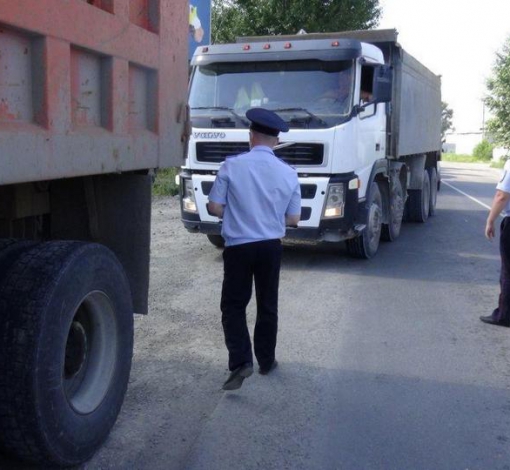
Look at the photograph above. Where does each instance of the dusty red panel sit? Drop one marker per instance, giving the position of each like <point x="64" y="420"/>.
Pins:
<point x="86" y="84"/>
<point x="16" y="100"/>
<point x="144" y="13"/>
<point x="142" y="99"/>
<point x="106" y="5"/>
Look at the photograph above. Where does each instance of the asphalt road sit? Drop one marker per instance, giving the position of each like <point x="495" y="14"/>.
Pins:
<point x="383" y="363"/>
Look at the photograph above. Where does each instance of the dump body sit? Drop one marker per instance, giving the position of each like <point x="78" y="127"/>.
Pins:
<point x="90" y="87"/>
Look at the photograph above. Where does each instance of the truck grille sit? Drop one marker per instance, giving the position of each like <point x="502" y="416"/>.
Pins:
<point x="300" y="154"/>
<point x="307" y="190"/>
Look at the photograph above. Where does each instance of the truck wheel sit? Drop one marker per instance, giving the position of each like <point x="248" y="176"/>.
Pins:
<point x="365" y="245"/>
<point x="66" y="342"/>
<point x="419" y="201"/>
<point x="391" y="230"/>
<point x="216" y="240"/>
<point x="433" y="191"/>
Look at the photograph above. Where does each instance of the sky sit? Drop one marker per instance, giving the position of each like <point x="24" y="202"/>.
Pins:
<point x="457" y="39"/>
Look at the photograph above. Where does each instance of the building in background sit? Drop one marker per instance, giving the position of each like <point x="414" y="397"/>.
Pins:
<point x="463" y="143"/>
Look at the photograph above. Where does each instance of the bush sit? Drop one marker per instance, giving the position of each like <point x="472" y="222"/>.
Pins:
<point x="483" y="151"/>
<point x="164" y="184"/>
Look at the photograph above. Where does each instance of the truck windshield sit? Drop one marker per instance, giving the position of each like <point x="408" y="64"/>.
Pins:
<point x="305" y="93"/>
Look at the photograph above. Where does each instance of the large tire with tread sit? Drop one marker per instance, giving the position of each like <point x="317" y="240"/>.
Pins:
<point x="216" y="240"/>
<point x="418" y="203"/>
<point x="366" y="244"/>
<point x="433" y="190"/>
<point x="391" y="230"/>
<point x="66" y="343"/>
<point x="10" y="250"/>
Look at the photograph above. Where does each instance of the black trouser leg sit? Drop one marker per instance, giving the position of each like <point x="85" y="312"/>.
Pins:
<point x="503" y="311"/>
<point x="267" y="276"/>
<point x="235" y="296"/>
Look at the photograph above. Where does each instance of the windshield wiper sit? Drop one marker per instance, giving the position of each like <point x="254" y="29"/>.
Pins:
<point x="224" y="108"/>
<point x="303" y="110"/>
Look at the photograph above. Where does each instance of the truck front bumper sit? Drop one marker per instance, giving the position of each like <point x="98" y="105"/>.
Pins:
<point x="320" y="234"/>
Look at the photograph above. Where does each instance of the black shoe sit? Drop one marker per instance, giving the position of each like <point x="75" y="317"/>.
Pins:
<point x="489" y="319"/>
<point x="237" y="376"/>
<point x="266" y="370"/>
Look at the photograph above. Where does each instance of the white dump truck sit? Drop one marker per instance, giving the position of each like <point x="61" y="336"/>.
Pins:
<point x="365" y="130"/>
<point x="93" y="98"/>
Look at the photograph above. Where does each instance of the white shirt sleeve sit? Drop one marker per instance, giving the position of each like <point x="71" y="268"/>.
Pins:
<point x="504" y="182"/>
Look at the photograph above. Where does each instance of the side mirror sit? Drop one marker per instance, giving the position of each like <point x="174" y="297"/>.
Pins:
<point x="383" y="84"/>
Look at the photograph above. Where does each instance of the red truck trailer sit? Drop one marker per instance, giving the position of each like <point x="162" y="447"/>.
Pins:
<point x="92" y="100"/>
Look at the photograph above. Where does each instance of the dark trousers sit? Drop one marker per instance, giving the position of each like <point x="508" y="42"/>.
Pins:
<point x="243" y="263"/>
<point x="502" y="313"/>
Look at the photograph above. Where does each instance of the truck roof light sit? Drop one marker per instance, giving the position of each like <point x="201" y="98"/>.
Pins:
<point x="287" y="45"/>
<point x="267" y="46"/>
<point x="335" y="43"/>
<point x="246" y="48"/>
<point x="205" y="49"/>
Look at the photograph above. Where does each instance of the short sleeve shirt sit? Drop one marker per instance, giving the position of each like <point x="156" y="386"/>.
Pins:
<point x="504" y="185"/>
<point x="257" y="190"/>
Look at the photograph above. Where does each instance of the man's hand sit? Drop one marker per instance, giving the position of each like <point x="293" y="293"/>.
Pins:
<point x="499" y="202"/>
<point x="292" y="220"/>
<point x="489" y="230"/>
<point x="213" y="208"/>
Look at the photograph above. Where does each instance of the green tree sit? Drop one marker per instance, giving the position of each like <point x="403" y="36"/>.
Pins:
<point x="498" y="99"/>
<point x="483" y="151"/>
<point x="234" y="18"/>
<point x="446" y="120"/>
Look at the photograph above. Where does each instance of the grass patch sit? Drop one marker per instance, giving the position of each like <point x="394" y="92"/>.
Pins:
<point x="164" y="184"/>
<point x="498" y="163"/>
<point x="463" y="158"/>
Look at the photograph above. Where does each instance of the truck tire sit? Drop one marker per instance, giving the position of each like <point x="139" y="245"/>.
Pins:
<point x="366" y="244"/>
<point x="419" y="201"/>
<point x="433" y="190"/>
<point x="391" y="230"/>
<point x="10" y="250"/>
<point x="66" y="342"/>
<point x="216" y="240"/>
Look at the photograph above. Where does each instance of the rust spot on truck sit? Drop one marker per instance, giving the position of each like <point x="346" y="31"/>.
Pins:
<point x="5" y="112"/>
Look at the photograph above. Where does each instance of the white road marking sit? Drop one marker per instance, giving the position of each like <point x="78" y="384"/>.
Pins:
<point x="465" y="194"/>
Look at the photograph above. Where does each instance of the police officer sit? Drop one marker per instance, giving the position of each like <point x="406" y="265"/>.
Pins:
<point x="501" y="204"/>
<point x="256" y="194"/>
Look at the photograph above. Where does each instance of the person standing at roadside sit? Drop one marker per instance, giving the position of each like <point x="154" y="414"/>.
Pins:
<point x="257" y="195"/>
<point x="501" y="205"/>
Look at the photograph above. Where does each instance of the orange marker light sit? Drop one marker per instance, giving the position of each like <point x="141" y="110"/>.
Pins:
<point x="246" y="48"/>
<point x="335" y="43"/>
<point x="287" y="45"/>
<point x="267" y="46"/>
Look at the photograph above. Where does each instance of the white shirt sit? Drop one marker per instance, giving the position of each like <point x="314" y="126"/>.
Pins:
<point x="258" y="190"/>
<point x="504" y="185"/>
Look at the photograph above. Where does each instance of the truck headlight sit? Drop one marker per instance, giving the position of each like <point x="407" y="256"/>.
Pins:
<point x="189" y="204"/>
<point x="335" y="201"/>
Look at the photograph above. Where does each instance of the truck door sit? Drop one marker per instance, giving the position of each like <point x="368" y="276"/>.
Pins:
<point x="371" y="124"/>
